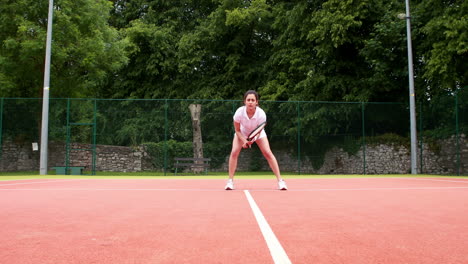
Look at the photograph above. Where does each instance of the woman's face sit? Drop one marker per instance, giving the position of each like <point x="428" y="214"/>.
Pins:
<point x="251" y="101"/>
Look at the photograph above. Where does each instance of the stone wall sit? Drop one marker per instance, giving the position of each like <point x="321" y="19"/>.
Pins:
<point x="438" y="158"/>
<point x="441" y="157"/>
<point x="18" y="157"/>
<point x="21" y="157"/>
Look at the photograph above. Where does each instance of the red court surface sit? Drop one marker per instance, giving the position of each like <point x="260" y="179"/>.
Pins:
<point x="339" y="220"/>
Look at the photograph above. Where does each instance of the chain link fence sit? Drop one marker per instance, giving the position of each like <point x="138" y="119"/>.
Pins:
<point x="306" y="137"/>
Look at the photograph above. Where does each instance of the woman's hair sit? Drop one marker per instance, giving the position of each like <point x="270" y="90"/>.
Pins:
<point x="251" y="92"/>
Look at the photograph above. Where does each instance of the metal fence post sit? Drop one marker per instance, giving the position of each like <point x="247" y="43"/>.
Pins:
<point x="166" y="128"/>
<point x="298" y="138"/>
<point x="1" y="126"/>
<point x="93" y="162"/>
<point x="421" y="165"/>
<point x="457" y="133"/>
<point x="363" y="137"/>
<point x="67" y="148"/>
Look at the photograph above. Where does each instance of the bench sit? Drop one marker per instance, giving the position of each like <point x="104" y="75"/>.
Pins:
<point x="72" y="170"/>
<point x="203" y="163"/>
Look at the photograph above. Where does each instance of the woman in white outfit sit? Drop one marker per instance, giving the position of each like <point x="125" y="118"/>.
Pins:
<point x="246" y="119"/>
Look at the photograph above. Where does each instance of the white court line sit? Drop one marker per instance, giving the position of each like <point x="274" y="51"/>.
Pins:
<point x="377" y="189"/>
<point x="438" y="180"/>
<point x="21" y="180"/>
<point x="49" y="181"/>
<point x="222" y="190"/>
<point x="276" y="250"/>
<point x="114" y="189"/>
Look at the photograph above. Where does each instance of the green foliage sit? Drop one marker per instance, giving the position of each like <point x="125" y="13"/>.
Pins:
<point x="82" y="112"/>
<point x="256" y="159"/>
<point x="330" y="50"/>
<point x="333" y="50"/>
<point x="351" y="145"/>
<point x="389" y="139"/>
<point x="438" y="133"/>
<point x="445" y="46"/>
<point x="317" y="52"/>
<point x="20" y="120"/>
<point x="306" y="130"/>
<point x="169" y="149"/>
<point x="85" y="49"/>
<point x="130" y="122"/>
<point x="334" y="22"/>
<point x="217" y="151"/>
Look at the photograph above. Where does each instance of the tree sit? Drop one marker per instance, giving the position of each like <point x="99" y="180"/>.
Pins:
<point x="334" y="50"/>
<point x="444" y="45"/>
<point x="321" y="52"/>
<point x="154" y="29"/>
<point x="85" y="49"/>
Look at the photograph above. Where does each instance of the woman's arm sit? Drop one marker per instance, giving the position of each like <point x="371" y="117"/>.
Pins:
<point x="245" y="142"/>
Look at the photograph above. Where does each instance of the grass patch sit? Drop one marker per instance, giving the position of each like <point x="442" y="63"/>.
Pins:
<point x="211" y="175"/>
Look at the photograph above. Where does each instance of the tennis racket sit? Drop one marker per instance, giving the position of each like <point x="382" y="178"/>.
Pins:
<point x="256" y="132"/>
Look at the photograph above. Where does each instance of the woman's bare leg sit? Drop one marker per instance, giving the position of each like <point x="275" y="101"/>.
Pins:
<point x="236" y="149"/>
<point x="264" y="146"/>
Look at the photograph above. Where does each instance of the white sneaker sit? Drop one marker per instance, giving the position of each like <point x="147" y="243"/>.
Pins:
<point x="229" y="185"/>
<point x="282" y="185"/>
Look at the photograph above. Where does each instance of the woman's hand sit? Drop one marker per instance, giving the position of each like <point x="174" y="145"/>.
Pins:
<point x="247" y="144"/>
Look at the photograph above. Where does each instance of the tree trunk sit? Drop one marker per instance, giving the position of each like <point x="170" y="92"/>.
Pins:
<point x="195" y="110"/>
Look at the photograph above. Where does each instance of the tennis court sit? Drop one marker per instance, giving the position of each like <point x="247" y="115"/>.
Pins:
<point x="318" y="220"/>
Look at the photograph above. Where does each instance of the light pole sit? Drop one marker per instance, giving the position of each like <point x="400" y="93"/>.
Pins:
<point x="407" y="17"/>
<point x="45" y="97"/>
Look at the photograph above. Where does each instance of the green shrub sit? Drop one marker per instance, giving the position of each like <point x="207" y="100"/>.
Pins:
<point x="388" y="139"/>
<point x="172" y="149"/>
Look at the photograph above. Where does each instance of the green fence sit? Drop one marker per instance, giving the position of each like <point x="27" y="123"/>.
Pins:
<point x="306" y="137"/>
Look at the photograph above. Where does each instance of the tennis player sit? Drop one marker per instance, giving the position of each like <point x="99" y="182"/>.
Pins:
<point x="246" y="119"/>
